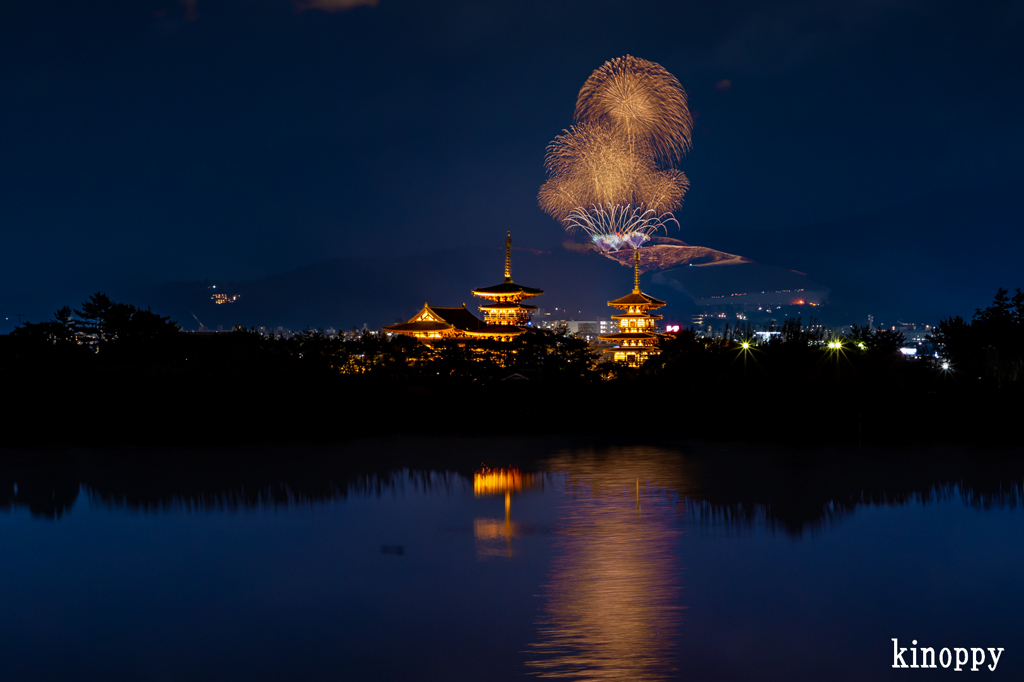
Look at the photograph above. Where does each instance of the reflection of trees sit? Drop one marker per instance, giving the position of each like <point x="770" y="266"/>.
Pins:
<point x="214" y="478"/>
<point x="47" y="491"/>
<point x="796" y="489"/>
<point x="611" y="606"/>
<point x="246" y="479"/>
<point x="793" y="489"/>
<point x="788" y="489"/>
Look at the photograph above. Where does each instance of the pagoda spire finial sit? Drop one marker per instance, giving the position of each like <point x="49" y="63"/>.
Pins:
<point x="508" y="257"/>
<point x="636" y="271"/>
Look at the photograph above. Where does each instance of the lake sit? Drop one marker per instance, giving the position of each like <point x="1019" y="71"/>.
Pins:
<point x="502" y="559"/>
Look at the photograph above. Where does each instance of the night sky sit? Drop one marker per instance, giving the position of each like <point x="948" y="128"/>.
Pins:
<point x="144" y="141"/>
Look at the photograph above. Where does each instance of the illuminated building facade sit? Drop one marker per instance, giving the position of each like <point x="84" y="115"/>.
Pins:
<point x="505" y="305"/>
<point x="637" y="338"/>
<point x="505" y="315"/>
<point x="436" y="322"/>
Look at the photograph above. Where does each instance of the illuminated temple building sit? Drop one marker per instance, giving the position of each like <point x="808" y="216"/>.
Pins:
<point x="437" y="322"/>
<point x="637" y="338"/>
<point x="505" y="316"/>
<point x="506" y="299"/>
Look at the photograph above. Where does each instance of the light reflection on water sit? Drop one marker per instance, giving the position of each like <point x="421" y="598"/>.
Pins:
<point x="611" y="605"/>
<point x="591" y="563"/>
<point x="494" y="536"/>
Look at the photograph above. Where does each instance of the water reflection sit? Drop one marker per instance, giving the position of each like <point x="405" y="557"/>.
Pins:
<point x="595" y="591"/>
<point x="723" y="485"/>
<point x="494" y="536"/>
<point x="47" y="488"/>
<point x="612" y="602"/>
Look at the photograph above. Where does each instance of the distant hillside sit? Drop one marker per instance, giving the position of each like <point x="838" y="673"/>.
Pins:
<point x="939" y="256"/>
<point x="347" y="292"/>
<point x="942" y="255"/>
<point x="342" y="293"/>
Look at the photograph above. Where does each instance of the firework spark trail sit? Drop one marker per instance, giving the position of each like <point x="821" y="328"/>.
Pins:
<point x="662" y="191"/>
<point x="610" y="175"/>
<point x="599" y="162"/>
<point x="615" y="226"/>
<point x="642" y="100"/>
<point x="591" y="165"/>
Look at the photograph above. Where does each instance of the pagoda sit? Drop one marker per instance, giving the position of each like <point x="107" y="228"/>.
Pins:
<point x="505" y="306"/>
<point x="637" y="338"/>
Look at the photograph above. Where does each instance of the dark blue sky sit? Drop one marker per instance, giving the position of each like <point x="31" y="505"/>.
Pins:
<point x="151" y="140"/>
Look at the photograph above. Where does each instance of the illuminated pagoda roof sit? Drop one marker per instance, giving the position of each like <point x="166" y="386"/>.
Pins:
<point x="504" y="307"/>
<point x="507" y="289"/>
<point x="505" y="317"/>
<point x="620" y="336"/>
<point x="637" y="338"/>
<point x="444" y="321"/>
<point x="637" y="298"/>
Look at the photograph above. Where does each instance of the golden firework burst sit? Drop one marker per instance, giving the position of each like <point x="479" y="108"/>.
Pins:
<point x="641" y="100"/>
<point x="592" y="165"/>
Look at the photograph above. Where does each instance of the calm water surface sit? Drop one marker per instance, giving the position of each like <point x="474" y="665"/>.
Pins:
<point x="631" y="563"/>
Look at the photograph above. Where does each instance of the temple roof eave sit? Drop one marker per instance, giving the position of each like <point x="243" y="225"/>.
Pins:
<point x="498" y="330"/>
<point x="506" y="306"/>
<point x="634" y="315"/>
<point x="637" y="298"/>
<point x="424" y="326"/>
<point x="622" y="336"/>
<point x="506" y="289"/>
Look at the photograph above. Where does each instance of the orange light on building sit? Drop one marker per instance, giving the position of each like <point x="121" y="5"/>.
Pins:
<point x="505" y="307"/>
<point x="505" y="316"/>
<point x="637" y="338"/>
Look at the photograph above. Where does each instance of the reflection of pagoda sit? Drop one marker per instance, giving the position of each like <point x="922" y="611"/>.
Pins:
<point x="637" y="338"/>
<point x="494" y="537"/>
<point x="505" y="305"/>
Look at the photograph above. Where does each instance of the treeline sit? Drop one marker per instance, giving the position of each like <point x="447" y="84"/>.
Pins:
<point x="990" y="346"/>
<point x="104" y="337"/>
<point x="111" y="371"/>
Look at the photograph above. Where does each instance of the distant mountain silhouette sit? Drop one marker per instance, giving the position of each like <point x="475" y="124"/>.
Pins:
<point x="347" y="292"/>
<point x="941" y="255"/>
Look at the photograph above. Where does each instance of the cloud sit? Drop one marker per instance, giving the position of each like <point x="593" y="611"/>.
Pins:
<point x="332" y="5"/>
<point x="192" y="14"/>
<point x="190" y="10"/>
<point x="776" y="36"/>
<point x="570" y="245"/>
